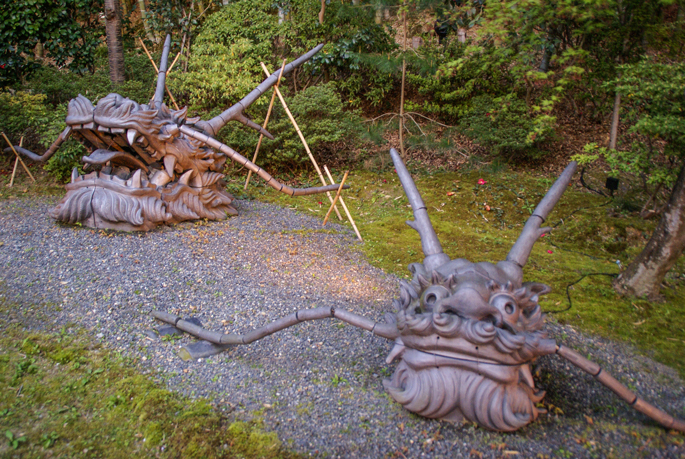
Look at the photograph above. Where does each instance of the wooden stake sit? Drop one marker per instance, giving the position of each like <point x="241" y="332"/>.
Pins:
<point x="347" y="212"/>
<point x="173" y="63"/>
<point x="18" y="159"/>
<point x="16" y="162"/>
<point x="266" y="121"/>
<point x="304" y="142"/>
<point x="337" y="196"/>
<point x="157" y="70"/>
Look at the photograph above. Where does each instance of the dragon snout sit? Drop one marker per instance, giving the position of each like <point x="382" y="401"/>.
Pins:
<point x="468" y="303"/>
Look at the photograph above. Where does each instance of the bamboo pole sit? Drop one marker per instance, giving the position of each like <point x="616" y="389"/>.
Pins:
<point x="404" y="74"/>
<point x="266" y="121"/>
<point x="16" y="163"/>
<point x="20" y="160"/>
<point x="157" y="70"/>
<point x="304" y="142"/>
<point x="347" y="212"/>
<point x="337" y="196"/>
<point x="173" y="63"/>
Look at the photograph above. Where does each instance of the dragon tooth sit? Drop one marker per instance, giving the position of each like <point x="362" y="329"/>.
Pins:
<point x="74" y="175"/>
<point x="131" y="136"/>
<point x="185" y="178"/>
<point x="136" y="179"/>
<point x="196" y="181"/>
<point x="169" y="164"/>
<point x="526" y="376"/>
<point x="159" y="178"/>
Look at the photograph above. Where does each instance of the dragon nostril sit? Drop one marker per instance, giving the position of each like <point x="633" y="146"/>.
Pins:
<point x="431" y="299"/>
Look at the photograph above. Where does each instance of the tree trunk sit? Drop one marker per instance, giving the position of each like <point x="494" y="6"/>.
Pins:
<point x="614" y="122"/>
<point x="115" y="49"/>
<point x="644" y="275"/>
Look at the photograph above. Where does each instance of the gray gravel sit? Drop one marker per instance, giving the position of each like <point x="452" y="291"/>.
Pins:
<point x="318" y="385"/>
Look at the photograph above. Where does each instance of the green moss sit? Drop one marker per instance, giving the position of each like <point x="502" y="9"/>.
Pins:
<point x="590" y="234"/>
<point x="78" y="400"/>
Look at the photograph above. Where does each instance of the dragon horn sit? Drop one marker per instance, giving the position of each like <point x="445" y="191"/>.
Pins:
<point x="520" y="252"/>
<point x="161" y="76"/>
<point x="429" y="240"/>
<point x="213" y="126"/>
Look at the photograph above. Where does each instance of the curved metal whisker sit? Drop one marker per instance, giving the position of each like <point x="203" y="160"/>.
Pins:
<point x="50" y="151"/>
<point x="619" y="389"/>
<point x="237" y="157"/>
<point x="388" y="331"/>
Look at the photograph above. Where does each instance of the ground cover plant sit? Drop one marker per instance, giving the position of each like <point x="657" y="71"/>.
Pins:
<point x="61" y="395"/>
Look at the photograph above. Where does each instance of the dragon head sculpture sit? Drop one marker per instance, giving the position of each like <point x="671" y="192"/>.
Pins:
<point x="465" y="333"/>
<point x="151" y="164"/>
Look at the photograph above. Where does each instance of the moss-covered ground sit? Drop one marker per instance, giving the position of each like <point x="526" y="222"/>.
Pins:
<point x="481" y="222"/>
<point x="63" y="396"/>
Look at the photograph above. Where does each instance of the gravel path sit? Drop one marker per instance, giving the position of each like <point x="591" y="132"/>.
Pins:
<point x="318" y="385"/>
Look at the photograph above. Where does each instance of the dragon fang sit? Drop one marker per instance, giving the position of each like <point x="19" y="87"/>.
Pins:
<point x="154" y="165"/>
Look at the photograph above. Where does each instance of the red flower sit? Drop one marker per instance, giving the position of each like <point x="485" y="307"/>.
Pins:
<point x="487" y="114"/>
<point x="543" y="235"/>
<point x="320" y="203"/>
<point x="2" y="66"/>
<point x="481" y="181"/>
<point x="549" y="251"/>
<point x="385" y="181"/>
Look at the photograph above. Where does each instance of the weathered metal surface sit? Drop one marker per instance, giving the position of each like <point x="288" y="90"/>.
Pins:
<point x="465" y="333"/>
<point x="154" y="165"/>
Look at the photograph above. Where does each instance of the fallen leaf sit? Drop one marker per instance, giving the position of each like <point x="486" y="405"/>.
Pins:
<point x="640" y="322"/>
<point x="450" y="193"/>
<point x="589" y="420"/>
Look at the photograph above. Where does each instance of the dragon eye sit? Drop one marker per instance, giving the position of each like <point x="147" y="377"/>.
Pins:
<point x="509" y="308"/>
<point x="433" y="294"/>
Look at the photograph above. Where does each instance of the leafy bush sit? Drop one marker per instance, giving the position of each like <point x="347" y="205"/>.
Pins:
<point x="60" y="86"/>
<point x="504" y="125"/>
<point x="27" y="115"/>
<point x="319" y="112"/>
<point x="22" y="113"/>
<point x="70" y="152"/>
<point x="226" y="54"/>
<point x="69" y="30"/>
<point x="449" y="78"/>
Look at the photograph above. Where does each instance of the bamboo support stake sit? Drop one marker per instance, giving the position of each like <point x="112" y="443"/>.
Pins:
<point x="347" y="212"/>
<point x="337" y="196"/>
<point x="157" y="70"/>
<point x="266" y="121"/>
<point x="16" y="163"/>
<point x="18" y="159"/>
<point x="304" y="142"/>
<point x="173" y="63"/>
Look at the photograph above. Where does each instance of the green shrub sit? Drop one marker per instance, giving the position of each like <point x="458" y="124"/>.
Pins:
<point x="70" y="152"/>
<point x="504" y="125"/>
<point x="226" y="54"/>
<point x="22" y="113"/>
<point x="60" y="86"/>
<point x="28" y="115"/>
<point x="450" y="78"/>
<point x="325" y="125"/>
